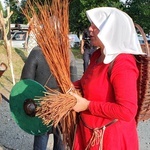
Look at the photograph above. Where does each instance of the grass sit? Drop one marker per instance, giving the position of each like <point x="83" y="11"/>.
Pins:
<point x="77" y="53"/>
<point x="18" y="58"/>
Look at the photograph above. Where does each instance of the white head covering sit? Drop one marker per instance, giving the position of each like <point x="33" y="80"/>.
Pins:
<point x="117" y="32"/>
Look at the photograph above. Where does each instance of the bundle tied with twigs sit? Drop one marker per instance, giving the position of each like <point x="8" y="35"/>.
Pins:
<point x="51" y="28"/>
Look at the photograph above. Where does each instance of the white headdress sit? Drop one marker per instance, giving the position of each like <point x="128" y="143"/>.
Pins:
<point x="117" y="32"/>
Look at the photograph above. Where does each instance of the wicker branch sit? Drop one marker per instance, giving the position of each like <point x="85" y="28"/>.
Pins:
<point x="51" y="29"/>
<point x="55" y="106"/>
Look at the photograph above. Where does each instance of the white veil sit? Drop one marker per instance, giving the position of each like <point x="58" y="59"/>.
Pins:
<point x="117" y="32"/>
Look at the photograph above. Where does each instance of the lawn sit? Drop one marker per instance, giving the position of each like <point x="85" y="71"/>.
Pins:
<point x="18" y="58"/>
<point x="76" y="52"/>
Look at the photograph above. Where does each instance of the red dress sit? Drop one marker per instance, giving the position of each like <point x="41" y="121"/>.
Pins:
<point x="112" y="96"/>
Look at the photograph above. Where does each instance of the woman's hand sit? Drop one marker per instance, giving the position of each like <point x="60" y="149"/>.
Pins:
<point x="82" y="103"/>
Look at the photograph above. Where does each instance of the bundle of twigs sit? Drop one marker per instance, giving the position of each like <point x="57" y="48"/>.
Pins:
<point x="55" y="107"/>
<point x="51" y="31"/>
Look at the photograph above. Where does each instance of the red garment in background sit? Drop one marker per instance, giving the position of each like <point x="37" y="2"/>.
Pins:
<point x="112" y="97"/>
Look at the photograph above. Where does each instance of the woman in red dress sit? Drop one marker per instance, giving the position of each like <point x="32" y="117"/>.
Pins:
<point x="108" y="107"/>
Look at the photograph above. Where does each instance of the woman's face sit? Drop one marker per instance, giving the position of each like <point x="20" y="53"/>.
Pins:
<point x="93" y="36"/>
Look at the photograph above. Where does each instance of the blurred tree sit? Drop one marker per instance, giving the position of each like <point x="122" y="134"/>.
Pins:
<point x="17" y="16"/>
<point x="78" y="20"/>
<point x="139" y="10"/>
<point x="1" y="32"/>
<point x="1" y="7"/>
<point x="22" y="5"/>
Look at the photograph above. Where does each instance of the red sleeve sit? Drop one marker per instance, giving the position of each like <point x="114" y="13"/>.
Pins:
<point x="123" y="78"/>
<point x="77" y="84"/>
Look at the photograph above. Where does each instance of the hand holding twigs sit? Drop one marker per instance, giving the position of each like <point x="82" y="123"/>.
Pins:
<point x="82" y="103"/>
<point x="55" y="107"/>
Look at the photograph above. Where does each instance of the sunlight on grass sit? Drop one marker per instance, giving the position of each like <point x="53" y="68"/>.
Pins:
<point x="77" y="53"/>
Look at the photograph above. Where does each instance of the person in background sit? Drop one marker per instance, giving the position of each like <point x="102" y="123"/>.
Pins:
<point x="109" y="104"/>
<point x="36" y="68"/>
<point x="87" y="48"/>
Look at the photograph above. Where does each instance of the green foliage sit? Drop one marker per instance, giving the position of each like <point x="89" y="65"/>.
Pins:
<point x="1" y="7"/>
<point x="139" y="10"/>
<point x="78" y="20"/>
<point x="17" y="16"/>
<point x="77" y="53"/>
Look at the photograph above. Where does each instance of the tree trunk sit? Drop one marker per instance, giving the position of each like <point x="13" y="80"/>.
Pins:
<point x="7" y="43"/>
